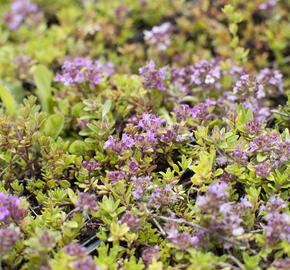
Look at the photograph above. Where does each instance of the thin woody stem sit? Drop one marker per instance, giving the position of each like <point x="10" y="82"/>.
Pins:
<point x="283" y="114"/>
<point x="197" y="227"/>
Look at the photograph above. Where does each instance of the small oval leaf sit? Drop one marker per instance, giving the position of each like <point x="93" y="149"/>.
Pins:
<point x="54" y="125"/>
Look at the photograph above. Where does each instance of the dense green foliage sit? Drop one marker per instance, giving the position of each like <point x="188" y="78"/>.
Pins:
<point x="141" y="134"/>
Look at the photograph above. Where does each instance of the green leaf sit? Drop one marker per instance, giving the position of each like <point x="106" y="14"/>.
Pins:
<point x="106" y="108"/>
<point x="251" y="262"/>
<point x="72" y="224"/>
<point x="237" y="18"/>
<point x="54" y="125"/>
<point x="51" y="183"/>
<point x="64" y="183"/>
<point x="261" y="157"/>
<point x="43" y="78"/>
<point x="233" y="29"/>
<point x="234" y="42"/>
<point x="8" y="100"/>
<point x="165" y="115"/>
<point x="16" y="89"/>
<point x="155" y="265"/>
<point x="93" y="128"/>
<point x="228" y="9"/>
<point x="218" y="172"/>
<point x="78" y="147"/>
<point x="117" y="231"/>
<point x="133" y="265"/>
<point x="179" y="255"/>
<point x="72" y="196"/>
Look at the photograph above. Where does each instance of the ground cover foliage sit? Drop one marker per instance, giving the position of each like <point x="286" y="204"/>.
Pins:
<point x="138" y="134"/>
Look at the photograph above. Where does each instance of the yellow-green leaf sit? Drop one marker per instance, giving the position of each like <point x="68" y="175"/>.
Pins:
<point x="7" y="100"/>
<point x="43" y="78"/>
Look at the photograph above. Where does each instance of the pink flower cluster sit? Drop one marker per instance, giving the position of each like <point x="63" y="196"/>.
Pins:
<point x="81" y="70"/>
<point x="11" y="208"/>
<point x="20" y="9"/>
<point x="159" y="36"/>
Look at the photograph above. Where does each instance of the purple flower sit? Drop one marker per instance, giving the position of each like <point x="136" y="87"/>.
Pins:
<point x="278" y="227"/>
<point x="150" y="122"/>
<point x="75" y="249"/>
<point x="149" y="254"/>
<point x="133" y="166"/>
<point x="278" y="224"/>
<point x="218" y="190"/>
<point x="200" y="111"/>
<point x="221" y="160"/>
<point x="4" y="213"/>
<point x="231" y="219"/>
<point x="116" y="176"/>
<point x="81" y="70"/>
<point x="47" y="240"/>
<point x="21" y="6"/>
<point x="253" y="127"/>
<point x="127" y="142"/>
<point x="23" y="63"/>
<point x="119" y="146"/>
<point x="260" y="112"/>
<point x="20" y="9"/>
<point x="152" y="132"/>
<point x="153" y="78"/>
<point x="181" y="137"/>
<point x="280" y="152"/>
<point x="162" y="197"/>
<point x="182" y="241"/>
<point x="140" y="185"/>
<point x="263" y="169"/>
<point x="233" y="215"/>
<point x="272" y="79"/>
<point x="248" y="86"/>
<point x="159" y="36"/>
<point x="215" y="195"/>
<point x="145" y="142"/>
<point x="111" y="143"/>
<point x="87" y="201"/>
<point x="267" y="5"/>
<point x="131" y="220"/>
<point x="73" y="73"/>
<point x="83" y="124"/>
<point x="208" y="72"/>
<point x="10" y="208"/>
<point x="8" y="237"/>
<point x="90" y="165"/>
<point x="283" y="264"/>
<point x="202" y="74"/>
<point x="236" y="71"/>
<point x="168" y="135"/>
<point x="86" y="264"/>
<point x="240" y="156"/>
<point x="262" y="143"/>
<point x="183" y="111"/>
<point x="143" y="3"/>
<point x="274" y="204"/>
<point x="238" y="88"/>
<point x="176" y="75"/>
<point x="245" y="203"/>
<point x="220" y="215"/>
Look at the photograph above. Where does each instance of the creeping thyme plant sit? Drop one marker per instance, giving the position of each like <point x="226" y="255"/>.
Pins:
<point x="139" y="134"/>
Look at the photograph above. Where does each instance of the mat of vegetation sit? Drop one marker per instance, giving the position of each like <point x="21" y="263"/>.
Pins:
<point x="141" y="134"/>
